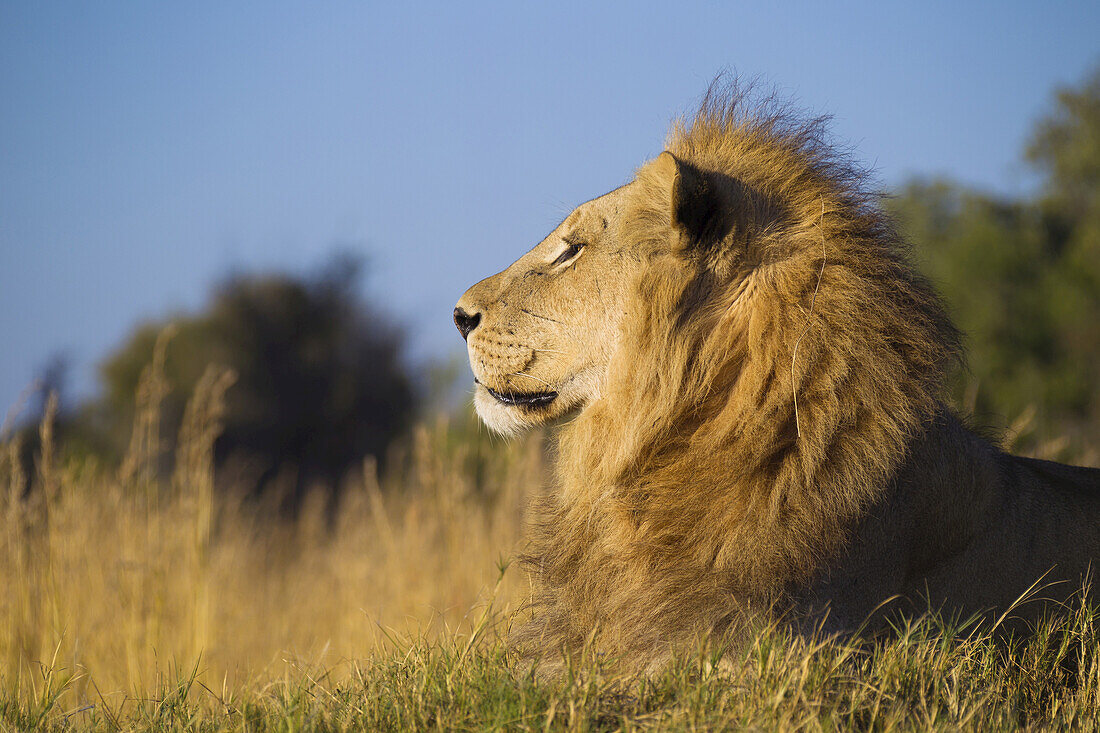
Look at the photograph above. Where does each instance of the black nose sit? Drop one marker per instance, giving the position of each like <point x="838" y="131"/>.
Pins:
<point x="466" y="322"/>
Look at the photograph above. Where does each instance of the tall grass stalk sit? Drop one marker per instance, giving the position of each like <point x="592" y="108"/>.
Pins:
<point x="114" y="579"/>
<point x="133" y="602"/>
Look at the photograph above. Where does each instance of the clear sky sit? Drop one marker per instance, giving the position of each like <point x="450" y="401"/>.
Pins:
<point x="148" y="148"/>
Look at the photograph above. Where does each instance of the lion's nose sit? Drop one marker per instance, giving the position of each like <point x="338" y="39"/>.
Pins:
<point x="466" y="322"/>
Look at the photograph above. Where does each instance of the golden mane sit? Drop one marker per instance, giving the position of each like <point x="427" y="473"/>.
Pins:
<point x="764" y="392"/>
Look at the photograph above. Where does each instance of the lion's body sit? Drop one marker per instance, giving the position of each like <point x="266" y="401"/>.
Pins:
<point x="756" y="372"/>
<point x="963" y="528"/>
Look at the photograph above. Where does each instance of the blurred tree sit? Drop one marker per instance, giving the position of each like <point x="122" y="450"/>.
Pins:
<point x="1022" y="278"/>
<point x="1065" y="146"/>
<point x="320" y="383"/>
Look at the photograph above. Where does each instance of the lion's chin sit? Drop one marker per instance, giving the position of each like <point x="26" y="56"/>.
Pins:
<point x="509" y="414"/>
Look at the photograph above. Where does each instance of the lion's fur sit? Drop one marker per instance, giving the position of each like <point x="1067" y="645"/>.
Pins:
<point x="770" y="391"/>
<point x="687" y="485"/>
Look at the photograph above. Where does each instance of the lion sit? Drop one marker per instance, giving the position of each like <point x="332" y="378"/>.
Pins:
<point x="752" y="371"/>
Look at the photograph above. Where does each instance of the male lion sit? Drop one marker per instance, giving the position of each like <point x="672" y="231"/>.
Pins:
<point x="755" y="370"/>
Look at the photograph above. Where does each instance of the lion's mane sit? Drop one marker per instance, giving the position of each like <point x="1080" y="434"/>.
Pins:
<point x="762" y="396"/>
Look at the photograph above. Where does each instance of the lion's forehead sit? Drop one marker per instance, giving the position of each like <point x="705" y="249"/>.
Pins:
<point x="586" y="221"/>
<point x="528" y="295"/>
<point x="594" y="217"/>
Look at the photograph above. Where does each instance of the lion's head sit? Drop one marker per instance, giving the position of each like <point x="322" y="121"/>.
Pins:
<point x="540" y="334"/>
<point x="749" y="353"/>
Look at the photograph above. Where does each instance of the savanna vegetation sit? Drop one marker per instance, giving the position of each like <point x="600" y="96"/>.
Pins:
<point x="1022" y="277"/>
<point x="168" y="562"/>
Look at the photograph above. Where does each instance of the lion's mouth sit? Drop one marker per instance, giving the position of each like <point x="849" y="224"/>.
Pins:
<point x="522" y="399"/>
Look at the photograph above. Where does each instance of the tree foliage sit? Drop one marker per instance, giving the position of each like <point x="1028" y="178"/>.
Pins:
<point x="320" y="384"/>
<point x="1022" y="277"/>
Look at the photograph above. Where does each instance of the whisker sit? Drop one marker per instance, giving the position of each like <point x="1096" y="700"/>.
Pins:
<point x="545" y="318"/>
<point x="530" y="376"/>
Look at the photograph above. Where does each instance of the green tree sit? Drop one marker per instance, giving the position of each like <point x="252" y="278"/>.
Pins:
<point x="320" y="383"/>
<point x="1022" y="277"/>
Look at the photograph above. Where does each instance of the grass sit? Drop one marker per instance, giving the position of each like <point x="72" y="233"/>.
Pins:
<point x="132" y="603"/>
<point x="922" y="680"/>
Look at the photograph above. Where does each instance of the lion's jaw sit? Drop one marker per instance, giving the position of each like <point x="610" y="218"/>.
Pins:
<point x="540" y="334"/>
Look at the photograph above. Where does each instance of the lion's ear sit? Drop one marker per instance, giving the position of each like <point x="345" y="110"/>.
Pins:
<point x="696" y="206"/>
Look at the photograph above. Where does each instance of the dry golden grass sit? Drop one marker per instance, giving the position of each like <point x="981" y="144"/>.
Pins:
<point x="132" y="603"/>
<point x="121" y="578"/>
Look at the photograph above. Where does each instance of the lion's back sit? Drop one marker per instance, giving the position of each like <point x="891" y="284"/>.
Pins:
<point x="965" y="530"/>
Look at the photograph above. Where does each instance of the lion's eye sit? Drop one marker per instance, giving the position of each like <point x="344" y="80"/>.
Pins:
<point x="570" y="252"/>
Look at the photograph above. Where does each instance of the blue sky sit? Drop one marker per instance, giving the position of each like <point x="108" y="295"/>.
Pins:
<point x="147" y="149"/>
